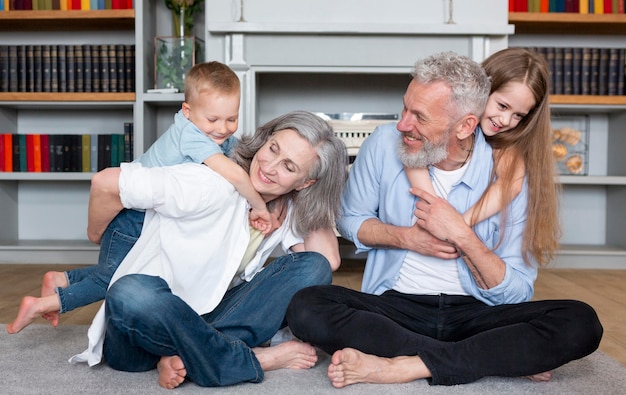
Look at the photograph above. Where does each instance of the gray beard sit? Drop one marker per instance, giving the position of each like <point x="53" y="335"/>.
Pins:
<point x="430" y="154"/>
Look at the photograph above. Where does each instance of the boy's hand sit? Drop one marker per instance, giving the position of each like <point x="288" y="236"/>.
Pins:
<point x="261" y="221"/>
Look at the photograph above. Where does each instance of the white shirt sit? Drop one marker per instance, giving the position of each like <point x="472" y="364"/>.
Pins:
<point x="194" y="236"/>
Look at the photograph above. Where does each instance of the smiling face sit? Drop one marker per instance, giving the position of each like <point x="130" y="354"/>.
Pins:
<point x="424" y="124"/>
<point x="282" y="165"/>
<point x="506" y="108"/>
<point x="215" y="114"/>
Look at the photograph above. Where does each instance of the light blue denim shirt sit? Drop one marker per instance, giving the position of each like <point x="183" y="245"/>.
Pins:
<point x="183" y="142"/>
<point x="378" y="188"/>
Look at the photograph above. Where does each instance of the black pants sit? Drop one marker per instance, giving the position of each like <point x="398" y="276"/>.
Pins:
<point x="459" y="338"/>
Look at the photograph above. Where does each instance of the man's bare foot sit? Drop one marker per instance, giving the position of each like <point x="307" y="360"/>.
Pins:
<point x="172" y="372"/>
<point x="545" y="376"/>
<point x="292" y="354"/>
<point x="350" y="366"/>
<point x="30" y="309"/>
<point x="52" y="280"/>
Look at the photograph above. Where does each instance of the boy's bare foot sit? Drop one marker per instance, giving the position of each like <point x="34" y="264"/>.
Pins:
<point x="52" y="280"/>
<point x="545" y="376"/>
<point x="30" y="309"/>
<point x="172" y="372"/>
<point x="350" y="366"/>
<point x="292" y="354"/>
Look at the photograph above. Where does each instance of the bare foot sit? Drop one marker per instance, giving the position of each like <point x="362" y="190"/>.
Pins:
<point x="30" y="309"/>
<point x="51" y="281"/>
<point x="350" y="366"/>
<point x="172" y="372"/>
<point x="545" y="376"/>
<point x="292" y="354"/>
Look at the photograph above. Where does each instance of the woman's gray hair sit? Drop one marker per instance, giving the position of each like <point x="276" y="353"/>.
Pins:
<point x="467" y="79"/>
<point x="318" y="206"/>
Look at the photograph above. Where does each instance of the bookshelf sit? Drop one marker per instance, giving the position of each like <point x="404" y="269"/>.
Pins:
<point x="43" y="214"/>
<point x="593" y="207"/>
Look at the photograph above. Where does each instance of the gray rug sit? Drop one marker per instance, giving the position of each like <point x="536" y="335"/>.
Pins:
<point x="35" y="362"/>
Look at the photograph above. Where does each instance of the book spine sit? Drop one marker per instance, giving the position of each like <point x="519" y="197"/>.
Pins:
<point x="62" y="67"/>
<point x="21" y="68"/>
<point x="128" y="151"/>
<point x="585" y="83"/>
<point x="87" y="65"/>
<point x="22" y="147"/>
<point x="119" y="68"/>
<point x="95" y="68"/>
<point x="603" y="72"/>
<point x="568" y="66"/>
<point x="37" y="167"/>
<point x="51" y="152"/>
<point x="8" y="152"/>
<point x="2" y="154"/>
<point x="54" y="68"/>
<point x="79" y="71"/>
<point x="30" y="68"/>
<point x="47" y="68"/>
<point x="38" y="65"/>
<point x="93" y="156"/>
<point x="13" y="68"/>
<point x="612" y="71"/>
<point x="115" y="161"/>
<point x="70" y="64"/>
<point x="86" y="153"/>
<point x="45" y="152"/>
<point x="4" y="68"/>
<point x="577" y="59"/>
<point x="129" y="67"/>
<point x="621" y="72"/>
<point x="112" y="66"/>
<point x="59" y="152"/>
<point x="105" y="77"/>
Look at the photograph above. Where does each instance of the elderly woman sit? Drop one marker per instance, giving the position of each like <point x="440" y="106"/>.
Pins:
<point x="185" y="298"/>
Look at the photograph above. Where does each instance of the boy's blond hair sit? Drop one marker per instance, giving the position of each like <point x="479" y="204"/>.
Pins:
<point x="210" y="76"/>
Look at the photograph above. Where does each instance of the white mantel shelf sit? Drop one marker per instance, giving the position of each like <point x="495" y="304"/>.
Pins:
<point x="357" y="28"/>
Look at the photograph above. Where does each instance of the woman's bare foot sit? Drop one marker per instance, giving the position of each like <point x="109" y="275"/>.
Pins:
<point x="350" y="366"/>
<point x="292" y="354"/>
<point x="32" y="308"/>
<point x="172" y="372"/>
<point x="52" y="280"/>
<point x="545" y="376"/>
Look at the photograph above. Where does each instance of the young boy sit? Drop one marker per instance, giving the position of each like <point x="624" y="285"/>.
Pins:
<point x="202" y="132"/>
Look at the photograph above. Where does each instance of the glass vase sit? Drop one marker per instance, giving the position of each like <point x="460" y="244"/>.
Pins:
<point x="173" y="58"/>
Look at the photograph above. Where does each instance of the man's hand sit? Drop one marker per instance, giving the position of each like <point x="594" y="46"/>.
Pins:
<point x="438" y="217"/>
<point x="421" y="241"/>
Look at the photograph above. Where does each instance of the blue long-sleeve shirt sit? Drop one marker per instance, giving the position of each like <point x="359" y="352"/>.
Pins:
<point x="379" y="188"/>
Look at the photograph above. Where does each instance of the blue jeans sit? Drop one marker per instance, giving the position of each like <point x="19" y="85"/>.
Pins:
<point x="89" y="284"/>
<point x="459" y="338"/>
<point x="146" y="321"/>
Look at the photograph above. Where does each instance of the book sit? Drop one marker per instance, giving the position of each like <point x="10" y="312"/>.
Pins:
<point x="4" y="68"/>
<point x="129" y="67"/>
<point x="12" y="68"/>
<point x="59" y="152"/>
<point x="30" y="68"/>
<point x="105" y="77"/>
<point x="568" y="70"/>
<point x="62" y="67"/>
<point x="54" y="68"/>
<point x="22" y="147"/>
<point x="558" y="71"/>
<point x="93" y="156"/>
<point x="87" y="72"/>
<point x="104" y="151"/>
<point x="45" y="152"/>
<point x="79" y="68"/>
<point x="119" y="68"/>
<point x="70" y="64"/>
<point x="608" y="6"/>
<point x="115" y="147"/>
<point x="36" y="139"/>
<point x="30" y="154"/>
<point x="8" y="152"/>
<point x="76" y="153"/>
<point x="51" y="152"/>
<point x="585" y="81"/>
<point x="47" y="68"/>
<point x="577" y="59"/>
<point x="612" y="69"/>
<point x="17" y="161"/>
<point x="66" y="153"/>
<point x="128" y="142"/>
<point x="38" y="65"/>
<point x="621" y="73"/>
<point x="598" y="6"/>
<point x="95" y="68"/>
<point x="112" y="62"/>
<point x="603" y="72"/>
<point x="2" y="153"/>
<point x="21" y="68"/>
<point x="583" y="7"/>
<point x="86" y="153"/>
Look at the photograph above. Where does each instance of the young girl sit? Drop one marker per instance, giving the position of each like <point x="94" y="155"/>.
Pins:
<point x="517" y="105"/>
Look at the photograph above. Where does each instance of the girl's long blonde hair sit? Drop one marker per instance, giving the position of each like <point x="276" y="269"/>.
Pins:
<point x="531" y="143"/>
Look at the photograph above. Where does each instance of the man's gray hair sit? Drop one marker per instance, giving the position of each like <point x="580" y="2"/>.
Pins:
<point x="467" y="79"/>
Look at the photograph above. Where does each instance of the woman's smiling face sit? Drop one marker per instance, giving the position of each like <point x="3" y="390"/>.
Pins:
<point x="282" y="165"/>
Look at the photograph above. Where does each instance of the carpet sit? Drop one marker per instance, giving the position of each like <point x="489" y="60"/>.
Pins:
<point x="34" y="361"/>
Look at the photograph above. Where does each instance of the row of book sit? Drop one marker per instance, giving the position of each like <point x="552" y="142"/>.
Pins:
<point x="586" y="71"/>
<point x="577" y="6"/>
<point x="67" y="68"/>
<point x="64" y="152"/>
<point x="38" y="5"/>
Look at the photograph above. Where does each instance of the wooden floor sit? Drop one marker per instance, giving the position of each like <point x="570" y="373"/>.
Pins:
<point x="605" y="290"/>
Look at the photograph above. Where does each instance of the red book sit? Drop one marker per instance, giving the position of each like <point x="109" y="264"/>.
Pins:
<point x="2" y="153"/>
<point x="37" y="153"/>
<point x="621" y="6"/>
<point x="30" y="153"/>
<point x="544" y="6"/>
<point x="8" y="152"/>
<point x="75" y="4"/>
<point x="45" y="152"/>
<point x="608" y="6"/>
<point x="521" y="5"/>
<point x="512" y="6"/>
